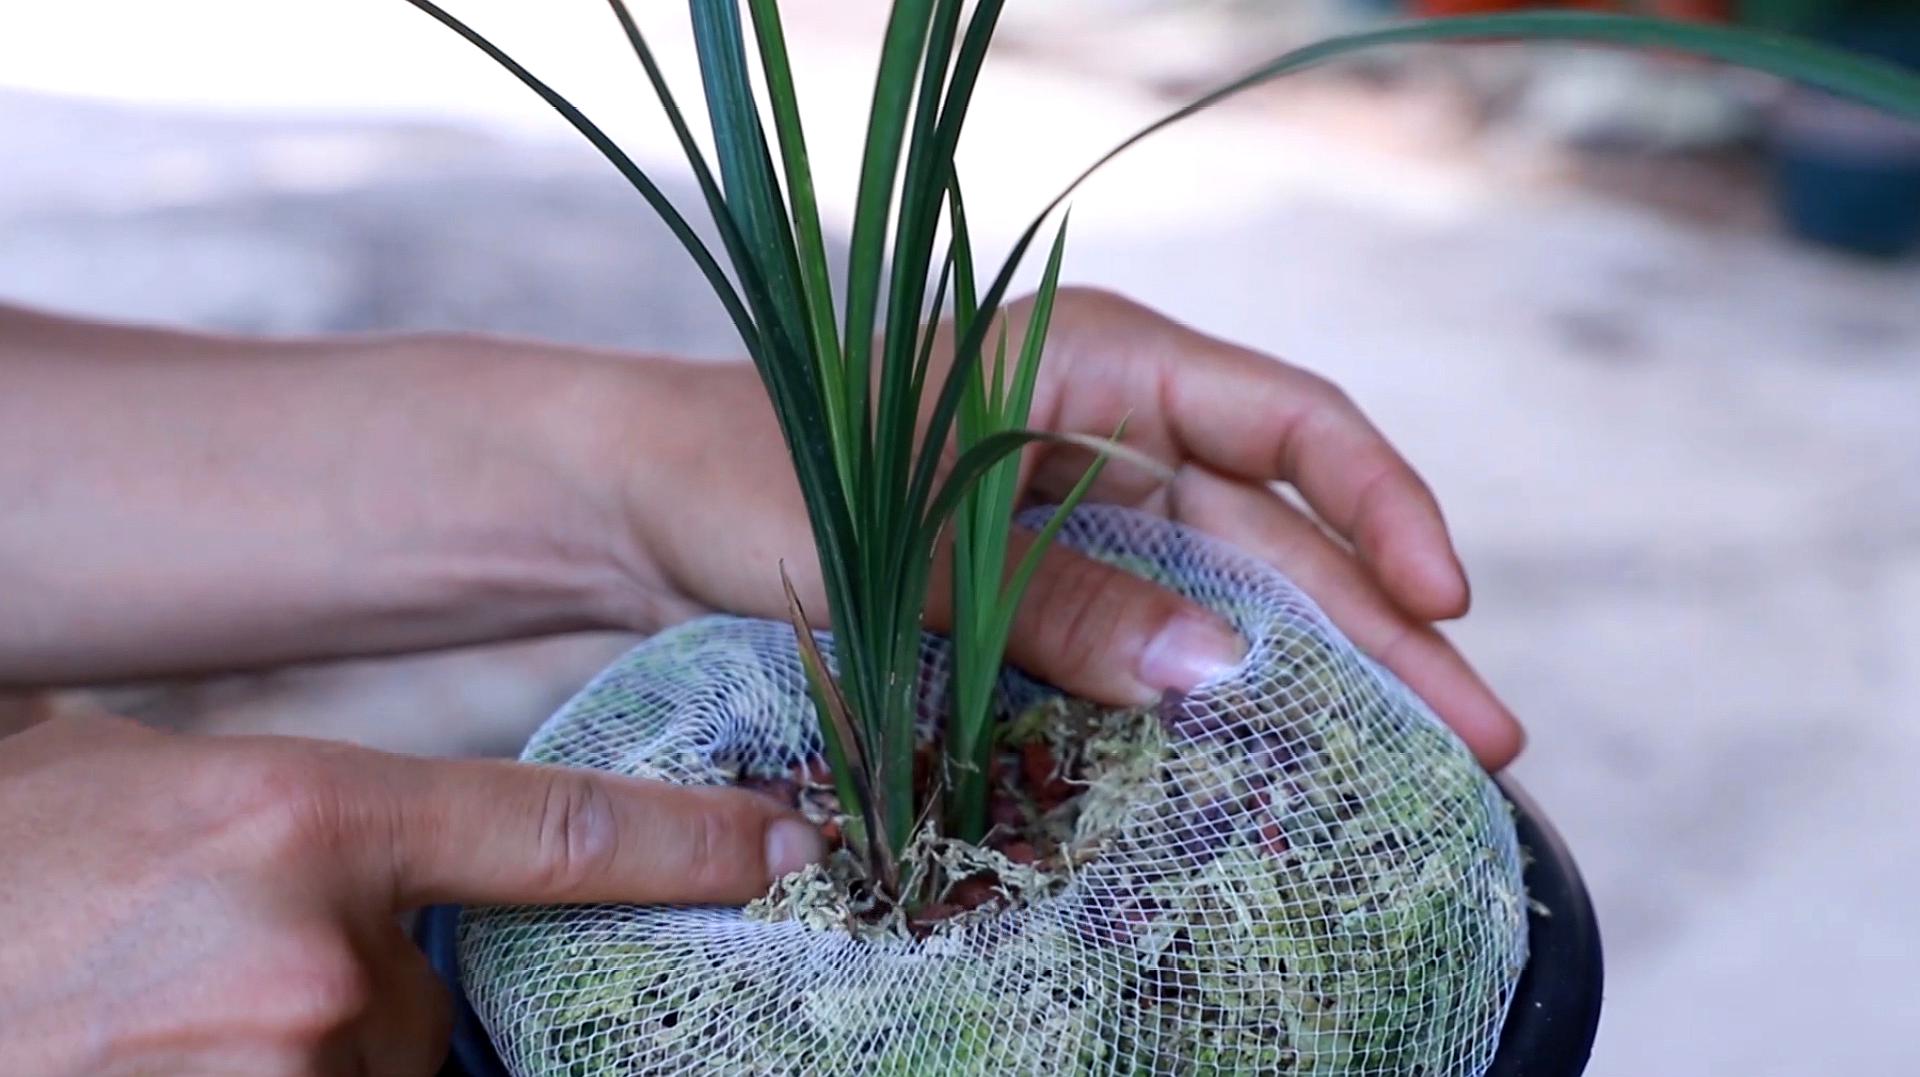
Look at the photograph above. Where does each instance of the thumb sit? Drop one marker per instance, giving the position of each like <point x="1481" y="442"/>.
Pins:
<point x="504" y="833"/>
<point x="1099" y="632"/>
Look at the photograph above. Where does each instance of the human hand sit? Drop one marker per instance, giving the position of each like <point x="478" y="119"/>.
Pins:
<point x="206" y="905"/>
<point x="716" y="510"/>
<point x="440" y="490"/>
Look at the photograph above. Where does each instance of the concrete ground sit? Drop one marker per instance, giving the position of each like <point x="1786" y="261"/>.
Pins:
<point x="1680" y="459"/>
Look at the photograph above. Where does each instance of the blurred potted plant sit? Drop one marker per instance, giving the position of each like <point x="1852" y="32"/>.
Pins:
<point x="1294" y="869"/>
<point x="1845" y="176"/>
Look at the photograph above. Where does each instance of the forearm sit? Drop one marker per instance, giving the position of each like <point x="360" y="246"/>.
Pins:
<point x="176" y="502"/>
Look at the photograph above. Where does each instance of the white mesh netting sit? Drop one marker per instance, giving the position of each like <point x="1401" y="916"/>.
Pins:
<point x="1312" y="876"/>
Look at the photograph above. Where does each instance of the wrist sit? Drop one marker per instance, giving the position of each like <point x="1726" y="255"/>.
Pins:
<point x="629" y="443"/>
<point x="706" y="491"/>
<point x="298" y="500"/>
<point x="500" y="500"/>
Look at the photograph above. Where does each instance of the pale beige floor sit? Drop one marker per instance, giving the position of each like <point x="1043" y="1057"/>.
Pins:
<point x="1681" y="462"/>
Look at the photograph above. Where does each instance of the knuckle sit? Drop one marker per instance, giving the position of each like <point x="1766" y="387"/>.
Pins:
<point x="1325" y="418"/>
<point x="1191" y="488"/>
<point x="1381" y="480"/>
<point x="1097" y="299"/>
<point x="321" y="987"/>
<point x="81" y="720"/>
<point x="703" y="841"/>
<point x="1397" y="638"/>
<point x="1086" y="612"/>
<point x="577" y="839"/>
<point x="57" y="731"/>
<point x="1326" y="393"/>
<point x="279" y="797"/>
<point x="713" y="846"/>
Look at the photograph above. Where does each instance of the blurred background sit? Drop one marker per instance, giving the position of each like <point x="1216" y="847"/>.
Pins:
<point x="1650" y="327"/>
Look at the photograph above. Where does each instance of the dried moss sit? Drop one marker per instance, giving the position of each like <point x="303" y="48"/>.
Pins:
<point x="1114" y="757"/>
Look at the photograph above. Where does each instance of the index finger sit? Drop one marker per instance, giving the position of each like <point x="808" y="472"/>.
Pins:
<point x="1260" y="419"/>
<point x="495" y="832"/>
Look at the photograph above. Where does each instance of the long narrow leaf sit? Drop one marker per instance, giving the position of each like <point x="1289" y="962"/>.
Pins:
<point x="1013" y="409"/>
<point x="746" y="163"/>
<point x="832" y="526"/>
<point x="928" y="174"/>
<point x="966" y="297"/>
<point x="997" y="447"/>
<point x="637" y="177"/>
<point x="973" y="749"/>
<point x="838" y="719"/>
<point x="1871" y="82"/>
<point x="1039" y="322"/>
<point x="983" y="608"/>
<point x="785" y="101"/>
<point x="893" y="90"/>
<point x="965" y="300"/>
<point x="703" y="176"/>
<point x="930" y="330"/>
<point x="1016" y="587"/>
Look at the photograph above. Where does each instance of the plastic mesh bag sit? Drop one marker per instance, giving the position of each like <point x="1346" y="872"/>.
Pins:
<point x="1304" y="873"/>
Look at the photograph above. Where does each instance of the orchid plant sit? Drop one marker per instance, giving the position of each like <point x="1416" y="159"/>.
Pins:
<point x="850" y="364"/>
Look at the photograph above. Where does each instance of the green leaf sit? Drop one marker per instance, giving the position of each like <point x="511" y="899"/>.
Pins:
<point x="923" y="186"/>
<point x="966" y="298"/>
<point x="638" y="178"/>
<point x="973" y="402"/>
<point x="893" y="91"/>
<point x="1027" y="371"/>
<point x="1017" y="584"/>
<point x="974" y="746"/>
<point x="746" y="164"/>
<point x="842" y="734"/>
<point x="997" y="447"/>
<point x="930" y="331"/>
<point x="953" y="113"/>
<point x="1871" y="82"/>
<point x="807" y="240"/>
<point x="731" y="238"/>
<point x="984" y="607"/>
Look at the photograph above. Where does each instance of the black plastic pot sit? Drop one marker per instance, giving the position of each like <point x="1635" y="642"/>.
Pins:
<point x="1549" y="1030"/>
<point x="1556" y="1011"/>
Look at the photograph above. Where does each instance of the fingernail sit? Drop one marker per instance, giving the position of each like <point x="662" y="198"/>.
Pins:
<point x="792" y="845"/>
<point x="1188" y="652"/>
